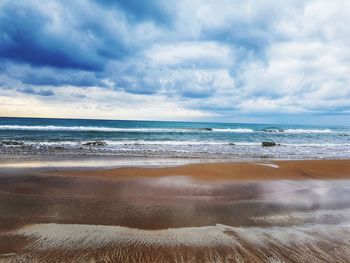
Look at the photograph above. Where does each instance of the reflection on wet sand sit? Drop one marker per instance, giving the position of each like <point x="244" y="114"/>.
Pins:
<point x="172" y="219"/>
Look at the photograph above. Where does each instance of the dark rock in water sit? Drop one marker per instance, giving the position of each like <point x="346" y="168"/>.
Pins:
<point x="12" y="143"/>
<point x="268" y="144"/>
<point x="231" y="143"/>
<point x="207" y="129"/>
<point x="95" y="143"/>
<point x="58" y="148"/>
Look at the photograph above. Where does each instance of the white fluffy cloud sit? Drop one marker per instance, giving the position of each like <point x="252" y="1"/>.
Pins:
<point x="191" y="53"/>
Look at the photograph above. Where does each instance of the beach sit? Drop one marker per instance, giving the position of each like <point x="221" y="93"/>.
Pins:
<point x="261" y="211"/>
<point x="174" y="131"/>
<point x="143" y="191"/>
<point x="238" y="171"/>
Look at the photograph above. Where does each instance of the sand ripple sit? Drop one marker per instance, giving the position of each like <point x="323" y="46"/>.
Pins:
<point x="219" y="243"/>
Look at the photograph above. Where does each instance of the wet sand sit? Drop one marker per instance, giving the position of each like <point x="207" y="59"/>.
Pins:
<point x="241" y="171"/>
<point x="285" y="211"/>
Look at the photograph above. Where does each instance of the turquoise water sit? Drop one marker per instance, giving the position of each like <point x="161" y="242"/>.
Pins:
<point x="30" y="136"/>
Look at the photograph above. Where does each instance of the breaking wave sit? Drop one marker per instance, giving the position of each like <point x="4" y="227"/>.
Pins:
<point x="298" y="131"/>
<point x="156" y="130"/>
<point x="309" y="131"/>
<point x="116" y="143"/>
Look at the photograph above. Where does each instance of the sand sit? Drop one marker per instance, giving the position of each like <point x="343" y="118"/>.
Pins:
<point x="280" y="211"/>
<point x="244" y="171"/>
<point x="220" y="243"/>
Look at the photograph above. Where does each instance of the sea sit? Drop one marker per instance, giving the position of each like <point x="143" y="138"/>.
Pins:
<point x="69" y="138"/>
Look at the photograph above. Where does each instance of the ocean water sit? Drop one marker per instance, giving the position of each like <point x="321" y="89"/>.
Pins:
<point x="69" y="137"/>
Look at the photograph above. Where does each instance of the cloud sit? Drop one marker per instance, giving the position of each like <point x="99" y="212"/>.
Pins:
<point x="214" y="59"/>
<point x="96" y="102"/>
<point x="32" y="34"/>
<point x="77" y="36"/>
<point x="42" y="92"/>
<point x="192" y="53"/>
<point x="153" y="10"/>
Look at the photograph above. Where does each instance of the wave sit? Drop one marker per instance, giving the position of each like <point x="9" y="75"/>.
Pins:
<point x="325" y="145"/>
<point x="110" y="129"/>
<point x="118" y="143"/>
<point x="235" y="130"/>
<point x="108" y="143"/>
<point x="180" y="143"/>
<point x="159" y="130"/>
<point x="299" y="131"/>
<point x="77" y="128"/>
<point x="309" y="131"/>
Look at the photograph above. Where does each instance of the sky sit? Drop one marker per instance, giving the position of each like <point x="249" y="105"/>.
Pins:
<point x="263" y="61"/>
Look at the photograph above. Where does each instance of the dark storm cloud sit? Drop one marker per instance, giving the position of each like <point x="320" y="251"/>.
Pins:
<point x="60" y="36"/>
<point x="25" y="38"/>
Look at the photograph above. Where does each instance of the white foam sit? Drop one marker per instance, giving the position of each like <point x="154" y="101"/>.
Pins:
<point x="315" y="144"/>
<point x="300" y="131"/>
<point x="111" y="143"/>
<point x="144" y="142"/>
<point x="271" y="165"/>
<point x="309" y="131"/>
<point x="236" y="130"/>
<point x="82" y="128"/>
<point x="118" y="162"/>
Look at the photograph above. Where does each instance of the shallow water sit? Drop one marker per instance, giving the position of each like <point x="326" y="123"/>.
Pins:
<point x="172" y="219"/>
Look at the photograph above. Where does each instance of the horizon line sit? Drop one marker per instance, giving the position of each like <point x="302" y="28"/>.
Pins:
<point x="140" y="120"/>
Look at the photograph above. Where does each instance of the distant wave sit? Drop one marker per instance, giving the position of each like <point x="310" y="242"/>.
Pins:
<point x="235" y="130"/>
<point x="299" y="131"/>
<point x="110" y="129"/>
<point x="155" y="130"/>
<point x="309" y="131"/>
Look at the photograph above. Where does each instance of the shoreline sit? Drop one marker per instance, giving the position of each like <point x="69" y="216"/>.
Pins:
<point x="94" y="163"/>
<point x="227" y="171"/>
